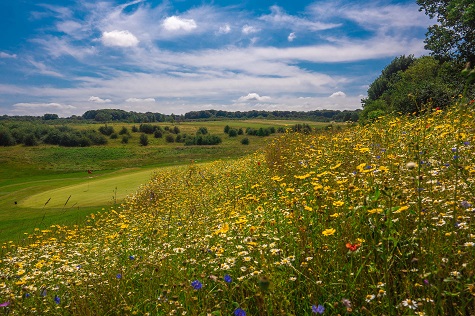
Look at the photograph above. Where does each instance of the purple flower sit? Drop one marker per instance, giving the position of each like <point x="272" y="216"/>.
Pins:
<point x="197" y="285"/>
<point x="318" y="309"/>
<point x="227" y="278"/>
<point x="57" y="300"/>
<point x="8" y="303"/>
<point x="465" y="204"/>
<point x="239" y="312"/>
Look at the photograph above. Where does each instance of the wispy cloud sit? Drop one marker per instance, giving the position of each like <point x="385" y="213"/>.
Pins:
<point x="5" y="55"/>
<point x="138" y="100"/>
<point x="98" y="100"/>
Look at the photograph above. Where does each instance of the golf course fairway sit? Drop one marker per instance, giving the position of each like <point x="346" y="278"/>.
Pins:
<point x="95" y="191"/>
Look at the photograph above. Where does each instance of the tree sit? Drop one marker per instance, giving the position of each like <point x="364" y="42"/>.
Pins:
<point x="453" y="37"/>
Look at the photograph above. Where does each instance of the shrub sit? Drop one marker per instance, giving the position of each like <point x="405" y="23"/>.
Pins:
<point x="123" y="131"/>
<point x="169" y="138"/>
<point x="106" y="130"/>
<point x="158" y="134"/>
<point x="114" y="136"/>
<point x="125" y="139"/>
<point x="135" y="129"/>
<point x="245" y="141"/>
<point x="143" y="140"/>
<point x="202" y="131"/>
<point x="233" y="132"/>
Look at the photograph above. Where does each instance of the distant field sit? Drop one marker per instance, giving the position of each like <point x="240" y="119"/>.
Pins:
<point x="36" y="182"/>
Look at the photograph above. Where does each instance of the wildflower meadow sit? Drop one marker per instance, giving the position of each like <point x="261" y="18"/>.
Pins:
<point x="373" y="219"/>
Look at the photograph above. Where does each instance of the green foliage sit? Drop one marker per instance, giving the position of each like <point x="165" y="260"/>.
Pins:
<point x="158" y="134"/>
<point x="106" y="130"/>
<point x="233" y="132"/>
<point x="6" y="138"/>
<point x="226" y="129"/>
<point x="169" y="138"/>
<point x="48" y="117"/>
<point x="135" y="129"/>
<point x="123" y="131"/>
<point x="453" y="37"/>
<point x="202" y="131"/>
<point x="143" y="139"/>
<point x="389" y="76"/>
<point x="302" y="128"/>
<point x="245" y="141"/>
<point x="203" y="140"/>
<point x="125" y="139"/>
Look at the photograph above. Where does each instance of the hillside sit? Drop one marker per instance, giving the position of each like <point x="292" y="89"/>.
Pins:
<point x="375" y="219"/>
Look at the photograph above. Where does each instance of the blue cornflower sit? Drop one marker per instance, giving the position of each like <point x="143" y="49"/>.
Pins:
<point x="43" y="292"/>
<point x="227" y="278"/>
<point x="318" y="309"/>
<point x="239" y="312"/>
<point x="132" y="257"/>
<point x="465" y="204"/>
<point x="57" y="300"/>
<point x="119" y="276"/>
<point x="197" y="285"/>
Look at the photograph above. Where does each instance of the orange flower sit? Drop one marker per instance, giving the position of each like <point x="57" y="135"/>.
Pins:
<point x="352" y="247"/>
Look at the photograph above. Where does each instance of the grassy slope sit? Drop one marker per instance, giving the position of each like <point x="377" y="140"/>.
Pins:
<point x="376" y="220"/>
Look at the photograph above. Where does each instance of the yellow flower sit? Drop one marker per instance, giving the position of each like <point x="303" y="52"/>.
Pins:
<point x="328" y="232"/>
<point x="338" y="203"/>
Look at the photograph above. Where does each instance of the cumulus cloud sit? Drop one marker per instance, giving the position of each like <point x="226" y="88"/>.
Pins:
<point x="5" y="55"/>
<point x="98" y="100"/>
<point x="44" y="105"/>
<point x="175" y="23"/>
<point x="225" y="29"/>
<point x="291" y="37"/>
<point x="247" y="29"/>
<point x="119" y="38"/>
<point x="253" y="97"/>
<point x="137" y="100"/>
<point x="338" y="94"/>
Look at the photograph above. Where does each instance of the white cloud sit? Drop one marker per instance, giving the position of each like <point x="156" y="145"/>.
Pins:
<point x="41" y="68"/>
<point x="291" y="37"/>
<point x="175" y="23"/>
<point x="253" y="97"/>
<point x="225" y="29"/>
<point x="98" y="100"/>
<point x="338" y="94"/>
<point x="247" y="29"/>
<point x="119" y="38"/>
<point x="5" y="55"/>
<point x="280" y="18"/>
<point x="137" y="100"/>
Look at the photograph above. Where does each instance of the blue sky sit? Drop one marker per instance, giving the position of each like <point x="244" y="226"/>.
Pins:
<point x="67" y="57"/>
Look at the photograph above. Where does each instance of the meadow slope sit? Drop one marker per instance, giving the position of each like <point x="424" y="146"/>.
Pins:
<point x="371" y="220"/>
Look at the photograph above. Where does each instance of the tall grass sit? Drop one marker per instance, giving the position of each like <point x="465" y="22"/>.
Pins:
<point x="371" y="220"/>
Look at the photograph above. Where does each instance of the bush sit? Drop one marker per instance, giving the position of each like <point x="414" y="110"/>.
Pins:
<point x="114" y="136"/>
<point x="30" y="140"/>
<point x="245" y="141"/>
<point x="135" y="129"/>
<point x="6" y="138"/>
<point x="125" y="139"/>
<point x="226" y="129"/>
<point x="158" y="134"/>
<point x="143" y="140"/>
<point x="169" y="138"/>
<point x="106" y="130"/>
<point x="147" y="128"/>
<point x="123" y="131"/>
<point x="233" y="132"/>
<point x="202" y="131"/>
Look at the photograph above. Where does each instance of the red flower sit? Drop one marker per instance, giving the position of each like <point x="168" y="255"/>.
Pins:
<point x="352" y="247"/>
